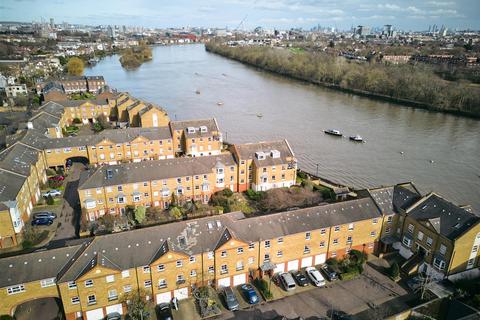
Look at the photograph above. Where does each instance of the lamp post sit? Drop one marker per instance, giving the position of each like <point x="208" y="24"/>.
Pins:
<point x="317" y="170"/>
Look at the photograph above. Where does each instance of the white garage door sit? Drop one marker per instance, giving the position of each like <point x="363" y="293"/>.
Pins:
<point x="96" y="314"/>
<point x="115" y="308"/>
<point x="279" y="268"/>
<point x="320" y="258"/>
<point x="225" y="282"/>
<point x="239" y="279"/>
<point x="165" y="297"/>
<point x="307" y="262"/>
<point x="181" y="293"/>
<point x="292" y="265"/>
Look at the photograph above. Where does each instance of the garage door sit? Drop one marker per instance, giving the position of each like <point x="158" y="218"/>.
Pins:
<point x="239" y="279"/>
<point x="292" y="265"/>
<point x="96" y="314"/>
<point x="115" y="308"/>
<point x="165" y="297"/>
<point x="307" y="262"/>
<point x="320" y="258"/>
<point x="181" y="293"/>
<point x="279" y="268"/>
<point x="225" y="282"/>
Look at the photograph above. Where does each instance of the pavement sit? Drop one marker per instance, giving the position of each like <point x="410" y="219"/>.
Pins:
<point x="353" y="297"/>
<point x="70" y="215"/>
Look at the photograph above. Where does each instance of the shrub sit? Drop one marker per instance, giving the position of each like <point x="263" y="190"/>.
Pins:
<point x="255" y="195"/>
<point x="77" y="120"/>
<point x="27" y="244"/>
<point x="262" y="285"/>
<point x="50" y="200"/>
<point x="394" y="271"/>
<point x="307" y="184"/>
<point x="301" y="175"/>
<point x="332" y="261"/>
<point x="6" y="317"/>
<point x="140" y="214"/>
<point x="358" y="257"/>
<point x="227" y="192"/>
<point x="50" y="172"/>
<point x="349" y="275"/>
<point x="176" y="212"/>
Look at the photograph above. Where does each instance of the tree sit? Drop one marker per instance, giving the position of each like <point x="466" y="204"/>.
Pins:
<point x="139" y="214"/>
<point x="176" y="212"/>
<point x="394" y="271"/>
<point x="50" y="200"/>
<point x="137" y="305"/>
<point x="75" y="66"/>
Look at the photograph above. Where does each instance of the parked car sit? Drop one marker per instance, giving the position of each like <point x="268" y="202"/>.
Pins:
<point x="57" y="178"/>
<point x="329" y="273"/>
<point x="302" y="281"/>
<point x="340" y="315"/>
<point x="42" y="222"/>
<point x="315" y="276"/>
<point x="45" y="214"/>
<point x="53" y="193"/>
<point x="164" y="312"/>
<point x="230" y="299"/>
<point x="249" y="293"/>
<point x="113" y="316"/>
<point x="287" y="281"/>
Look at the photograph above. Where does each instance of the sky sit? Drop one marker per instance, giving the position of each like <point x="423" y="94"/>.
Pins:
<point x="248" y="14"/>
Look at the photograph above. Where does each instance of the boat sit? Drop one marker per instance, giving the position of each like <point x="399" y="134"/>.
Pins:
<point x="197" y="91"/>
<point x="356" y="138"/>
<point x="259" y="115"/>
<point x="333" y="132"/>
<point x="219" y="103"/>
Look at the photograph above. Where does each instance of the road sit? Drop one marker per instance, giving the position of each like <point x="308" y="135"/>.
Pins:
<point x="70" y="215"/>
<point x="352" y="297"/>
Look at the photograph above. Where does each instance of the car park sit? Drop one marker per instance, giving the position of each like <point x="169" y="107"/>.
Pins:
<point x="287" y="281"/>
<point x="45" y="215"/>
<point x="329" y="273"/>
<point x="230" y="299"/>
<point x="164" y="312"/>
<point x="301" y="279"/>
<point x="42" y="222"/>
<point x="315" y="276"/>
<point x="53" y="193"/>
<point x="249" y="293"/>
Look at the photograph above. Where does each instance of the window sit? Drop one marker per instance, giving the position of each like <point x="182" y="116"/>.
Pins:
<point x="193" y="273"/>
<point x="429" y="241"/>
<point x="337" y="228"/>
<point x="223" y="269"/>
<point x="322" y="231"/>
<point x="267" y="257"/>
<point x="223" y="254"/>
<point x="75" y="300"/>
<point x="110" y="278"/>
<point x="279" y="253"/>
<point x="127" y="288"/>
<point x="373" y="233"/>
<point x="239" y="265"/>
<point x="335" y="241"/>
<point x="470" y="263"/>
<point x="443" y="249"/>
<point x="389" y="219"/>
<point x="16" y="289"/>
<point x="349" y="239"/>
<point x="267" y="243"/>
<point x="191" y="259"/>
<point x="251" y="246"/>
<point x="162" y="283"/>
<point x="334" y="254"/>
<point x="306" y="250"/>
<point x="350" y="227"/>
<point x="47" y="282"/>
<point x="388" y="230"/>
<point x="439" y="264"/>
<point x="239" y="250"/>
<point x="407" y="242"/>
<point x="147" y="283"/>
<point x="420" y="235"/>
<point x="112" y="295"/>
<point x="411" y="227"/>
<point x="146" y="269"/>
<point x="89" y="283"/>
<point x="91" y="299"/>
<point x="375" y="221"/>
<point x="280" y="240"/>
<point x="179" y="263"/>
<point x="251" y="260"/>
<point x="322" y="244"/>
<point x="125" y="274"/>
<point x="211" y="269"/>
<point x="161" y="267"/>
<point x="474" y="249"/>
<point x="308" y="236"/>
<point x="72" y="285"/>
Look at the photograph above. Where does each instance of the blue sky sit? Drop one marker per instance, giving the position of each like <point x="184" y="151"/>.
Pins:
<point x="404" y="14"/>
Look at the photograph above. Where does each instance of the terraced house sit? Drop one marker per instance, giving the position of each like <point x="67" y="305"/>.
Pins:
<point x="197" y="138"/>
<point x="171" y="260"/>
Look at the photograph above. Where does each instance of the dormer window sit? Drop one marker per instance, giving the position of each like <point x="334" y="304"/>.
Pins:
<point x="260" y="155"/>
<point x="275" y="154"/>
<point x="203" y="129"/>
<point x="190" y="130"/>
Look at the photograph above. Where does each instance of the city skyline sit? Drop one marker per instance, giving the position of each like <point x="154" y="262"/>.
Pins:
<point x="282" y="14"/>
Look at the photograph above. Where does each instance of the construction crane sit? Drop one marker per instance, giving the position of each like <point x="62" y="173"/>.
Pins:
<point x="241" y="23"/>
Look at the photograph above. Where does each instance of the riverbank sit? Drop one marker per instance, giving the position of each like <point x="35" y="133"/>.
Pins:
<point x="414" y="86"/>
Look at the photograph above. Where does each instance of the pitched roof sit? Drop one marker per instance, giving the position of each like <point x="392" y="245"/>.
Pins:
<point x="53" y="108"/>
<point x="18" y="158"/>
<point x="391" y="199"/>
<point x="183" y="125"/>
<point x="76" y="103"/>
<point x="448" y="219"/>
<point x="150" y="107"/>
<point x="152" y="170"/>
<point x="42" y="121"/>
<point x="10" y="185"/>
<point x="248" y="151"/>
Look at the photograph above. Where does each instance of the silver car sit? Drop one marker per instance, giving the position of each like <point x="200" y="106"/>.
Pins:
<point x="287" y="281"/>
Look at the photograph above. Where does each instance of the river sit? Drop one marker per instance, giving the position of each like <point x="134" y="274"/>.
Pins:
<point x="438" y="152"/>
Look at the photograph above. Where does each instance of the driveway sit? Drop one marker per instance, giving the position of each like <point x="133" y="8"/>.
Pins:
<point x="353" y="297"/>
<point x="71" y="212"/>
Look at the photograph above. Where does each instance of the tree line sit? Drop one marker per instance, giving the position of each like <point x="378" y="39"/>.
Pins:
<point x="412" y="84"/>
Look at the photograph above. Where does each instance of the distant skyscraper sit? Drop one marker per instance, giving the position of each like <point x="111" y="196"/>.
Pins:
<point x="362" y="31"/>
<point x="388" y="30"/>
<point x="52" y="23"/>
<point x="111" y="32"/>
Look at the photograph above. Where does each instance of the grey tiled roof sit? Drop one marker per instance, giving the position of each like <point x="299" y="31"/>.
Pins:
<point x="53" y="108"/>
<point x="182" y="125"/>
<point x="447" y="218"/>
<point x="76" y="103"/>
<point x="150" y="107"/>
<point x="43" y="121"/>
<point x="391" y="199"/>
<point x="152" y="170"/>
<point x="10" y="185"/>
<point x="18" y="158"/>
<point x="248" y="150"/>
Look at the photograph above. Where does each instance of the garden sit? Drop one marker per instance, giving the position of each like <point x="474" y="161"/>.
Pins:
<point x="350" y="266"/>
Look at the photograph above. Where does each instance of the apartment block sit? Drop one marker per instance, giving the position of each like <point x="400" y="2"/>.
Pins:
<point x="265" y="165"/>
<point x="197" y="138"/>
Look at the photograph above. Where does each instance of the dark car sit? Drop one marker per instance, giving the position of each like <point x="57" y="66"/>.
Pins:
<point x="164" y="312"/>
<point x="301" y="279"/>
<point x="250" y="293"/>
<point x="230" y="299"/>
<point x="57" y="178"/>
<point x="42" y="222"/>
<point x="45" y="215"/>
<point x="113" y="316"/>
<point x="329" y="273"/>
<point x="340" y="315"/>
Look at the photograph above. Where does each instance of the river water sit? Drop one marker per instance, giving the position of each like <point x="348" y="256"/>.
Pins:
<point x="438" y="152"/>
